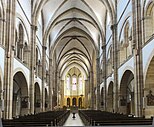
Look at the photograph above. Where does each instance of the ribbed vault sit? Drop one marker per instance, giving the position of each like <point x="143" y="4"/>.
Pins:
<point x="73" y="30"/>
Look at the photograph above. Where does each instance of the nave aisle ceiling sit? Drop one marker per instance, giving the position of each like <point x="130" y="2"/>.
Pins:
<point x="74" y="28"/>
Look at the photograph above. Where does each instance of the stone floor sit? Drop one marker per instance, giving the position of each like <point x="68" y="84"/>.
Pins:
<point x="78" y="122"/>
<point x="74" y="122"/>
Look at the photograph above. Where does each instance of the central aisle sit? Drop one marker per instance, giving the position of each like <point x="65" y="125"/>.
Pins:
<point x="74" y="122"/>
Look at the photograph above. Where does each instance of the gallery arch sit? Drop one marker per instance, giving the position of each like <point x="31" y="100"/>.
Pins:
<point x="126" y="97"/>
<point x="20" y="95"/>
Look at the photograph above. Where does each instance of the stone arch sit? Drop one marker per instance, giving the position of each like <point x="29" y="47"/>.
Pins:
<point x="148" y="21"/>
<point x="23" y="72"/>
<point x="37" y="98"/>
<point x="126" y="96"/>
<point x="20" y="95"/>
<point x="110" y="99"/>
<point x="149" y="89"/>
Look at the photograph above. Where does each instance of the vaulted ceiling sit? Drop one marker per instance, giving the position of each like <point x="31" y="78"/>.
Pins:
<point x="75" y="28"/>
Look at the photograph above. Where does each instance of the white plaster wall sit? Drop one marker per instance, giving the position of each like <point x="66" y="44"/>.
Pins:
<point x="20" y="67"/>
<point x="121" y="6"/>
<point x="129" y="65"/>
<point x="2" y="52"/>
<point x="108" y="33"/>
<point x="26" y="6"/>
<point x="148" y="53"/>
<point x="108" y="46"/>
<point x="39" y="32"/>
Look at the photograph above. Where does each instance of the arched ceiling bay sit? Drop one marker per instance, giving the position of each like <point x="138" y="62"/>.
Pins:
<point x="74" y="28"/>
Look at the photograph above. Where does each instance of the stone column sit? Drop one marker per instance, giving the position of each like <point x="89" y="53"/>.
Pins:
<point x="54" y="86"/>
<point x="50" y="83"/>
<point x="86" y="93"/>
<point x="58" y="88"/>
<point x="98" y="83"/>
<point x="3" y="30"/>
<point x="115" y="58"/>
<point x="62" y="93"/>
<point x="91" y="90"/>
<point x="104" y="76"/>
<point x="43" y="76"/>
<point x="32" y="66"/>
<point x="9" y="57"/>
<point x="137" y="46"/>
<point x="115" y="65"/>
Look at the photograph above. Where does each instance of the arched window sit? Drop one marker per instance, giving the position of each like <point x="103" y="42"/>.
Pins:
<point x="68" y="83"/>
<point x="80" y="83"/>
<point x="74" y="83"/>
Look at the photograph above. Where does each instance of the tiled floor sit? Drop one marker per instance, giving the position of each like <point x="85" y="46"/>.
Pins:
<point x="74" y="122"/>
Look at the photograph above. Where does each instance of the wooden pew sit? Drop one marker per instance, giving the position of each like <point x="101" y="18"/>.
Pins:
<point x="100" y="118"/>
<point x="51" y="118"/>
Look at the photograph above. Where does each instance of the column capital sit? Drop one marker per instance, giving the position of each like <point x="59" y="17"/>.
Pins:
<point x="34" y="27"/>
<point x="113" y="26"/>
<point x="2" y="19"/>
<point x="44" y="47"/>
<point x="103" y="46"/>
